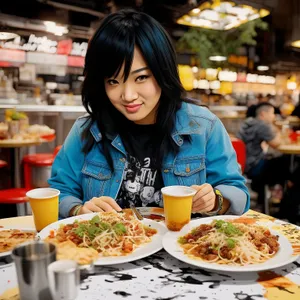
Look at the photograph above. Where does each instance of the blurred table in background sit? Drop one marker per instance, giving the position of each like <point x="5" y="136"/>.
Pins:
<point x="291" y="149"/>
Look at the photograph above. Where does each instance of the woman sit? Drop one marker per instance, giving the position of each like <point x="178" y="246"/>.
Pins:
<point x="140" y="135"/>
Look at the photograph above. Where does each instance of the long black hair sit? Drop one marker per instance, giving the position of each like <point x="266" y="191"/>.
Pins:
<point x="112" y="46"/>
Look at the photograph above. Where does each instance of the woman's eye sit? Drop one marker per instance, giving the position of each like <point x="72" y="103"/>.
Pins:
<point x="142" y="78"/>
<point x="112" y="81"/>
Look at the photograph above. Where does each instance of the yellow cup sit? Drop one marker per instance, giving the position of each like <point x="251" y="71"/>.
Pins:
<point x="177" y="205"/>
<point x="44" y="205"/>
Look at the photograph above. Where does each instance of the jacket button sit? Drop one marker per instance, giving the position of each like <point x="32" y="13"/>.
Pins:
<point x="166" y="171"/>
<point x="122" y="159"/>
<point x="187" y="169"/>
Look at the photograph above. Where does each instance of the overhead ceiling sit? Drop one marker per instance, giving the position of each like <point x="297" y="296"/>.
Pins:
<point x="83" y="16"/>
<point x="88" y="12"/>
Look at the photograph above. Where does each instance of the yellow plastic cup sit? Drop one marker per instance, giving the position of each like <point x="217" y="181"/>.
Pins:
<point x="44" y="205"/>
<point x="178" y="202"/>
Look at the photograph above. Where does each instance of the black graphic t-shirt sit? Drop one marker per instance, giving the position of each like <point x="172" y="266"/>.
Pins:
<point x="142" y="181"/>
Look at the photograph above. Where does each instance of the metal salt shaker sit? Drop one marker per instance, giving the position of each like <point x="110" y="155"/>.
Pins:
<point x="64" y="279"/>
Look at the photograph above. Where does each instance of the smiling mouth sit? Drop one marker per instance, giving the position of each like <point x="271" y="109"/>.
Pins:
<point x="132" y="108"/>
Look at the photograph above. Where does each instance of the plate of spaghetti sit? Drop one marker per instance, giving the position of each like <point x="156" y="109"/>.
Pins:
<point x="223" y="243"/>
<point x="105" y="238"/>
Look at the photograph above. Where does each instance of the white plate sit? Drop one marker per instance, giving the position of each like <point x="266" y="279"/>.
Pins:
<point x="141" y="252"/>
<point x="283" y="257"/>
<point x="11" y="228"/>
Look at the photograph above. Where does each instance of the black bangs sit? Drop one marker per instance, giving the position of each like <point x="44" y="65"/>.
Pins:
<point x="112" y="47"/>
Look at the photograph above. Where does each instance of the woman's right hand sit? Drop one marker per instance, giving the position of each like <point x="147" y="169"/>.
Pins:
<point x="100" y="204"/>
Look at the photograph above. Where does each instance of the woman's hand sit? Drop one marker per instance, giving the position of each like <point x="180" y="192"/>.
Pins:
<point x="205" y="198"/>
<point x="99" y="205"/>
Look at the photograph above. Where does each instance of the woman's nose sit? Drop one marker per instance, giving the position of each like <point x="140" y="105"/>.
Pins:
<point x="129" y="93"/>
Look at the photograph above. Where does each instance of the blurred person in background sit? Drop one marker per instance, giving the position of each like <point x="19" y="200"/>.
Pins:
<point x="251" y="109"/>
<point x="262" y="99"/>
<point x="255" y="132"/>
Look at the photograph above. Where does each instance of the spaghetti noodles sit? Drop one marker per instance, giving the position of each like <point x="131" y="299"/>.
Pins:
<point x="110" y="233"/>
<point x="225" y="242"/>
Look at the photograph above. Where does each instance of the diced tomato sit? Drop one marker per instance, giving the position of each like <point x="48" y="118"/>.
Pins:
<point x="150" y="231"/>
<point x="52" y="234"/>
<point x="127" y="246"/>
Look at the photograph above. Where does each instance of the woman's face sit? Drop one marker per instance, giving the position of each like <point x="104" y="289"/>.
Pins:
<point x="137" y="98"/>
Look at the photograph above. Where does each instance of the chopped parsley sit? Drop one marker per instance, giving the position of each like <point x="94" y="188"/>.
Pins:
<point x="95" y="220"/>
<point x="230" y="243"/>
<point x="227" y="228"/>
<point x="119" y="229"/>
<point x="95" y="227"/>
<point x="182" y="240"/>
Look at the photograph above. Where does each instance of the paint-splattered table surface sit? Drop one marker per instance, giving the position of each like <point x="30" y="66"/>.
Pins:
<point x="161" y="276"/>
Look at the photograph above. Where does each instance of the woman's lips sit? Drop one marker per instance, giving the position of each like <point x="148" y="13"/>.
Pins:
<point x="132" y="108"/>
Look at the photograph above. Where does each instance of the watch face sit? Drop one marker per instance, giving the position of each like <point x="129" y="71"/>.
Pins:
<point x="217" y="192"/>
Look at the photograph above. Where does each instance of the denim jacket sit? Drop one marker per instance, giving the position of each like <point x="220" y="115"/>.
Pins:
<point x="207" y="156"/>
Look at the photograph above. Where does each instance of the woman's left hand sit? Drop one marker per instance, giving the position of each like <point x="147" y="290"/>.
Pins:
<point x="205" y="198"/>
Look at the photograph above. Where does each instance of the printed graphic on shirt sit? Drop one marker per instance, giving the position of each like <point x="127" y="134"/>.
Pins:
<point x="140" y="184"/>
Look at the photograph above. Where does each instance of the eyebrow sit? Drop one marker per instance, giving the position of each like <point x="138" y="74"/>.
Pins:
<point x="139" y="70"/>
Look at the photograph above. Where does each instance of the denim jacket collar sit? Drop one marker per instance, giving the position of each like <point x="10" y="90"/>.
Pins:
<point x="185" y="124"/>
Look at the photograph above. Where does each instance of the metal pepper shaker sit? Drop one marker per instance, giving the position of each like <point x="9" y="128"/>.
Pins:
<point x="64" y="279"/>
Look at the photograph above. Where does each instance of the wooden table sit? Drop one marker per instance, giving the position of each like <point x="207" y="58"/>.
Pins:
<point x="161" y="277"/>
<point x="15" y="155"/>
<point x="21" y="222"/>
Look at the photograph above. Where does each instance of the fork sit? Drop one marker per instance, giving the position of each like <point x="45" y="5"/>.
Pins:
<point x="136" y="212"/>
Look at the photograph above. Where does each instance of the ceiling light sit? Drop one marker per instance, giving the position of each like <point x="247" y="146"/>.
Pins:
<point x="217" y="58"/>
<point x="195" y="11"/>
<point x="223" y="15"/>
<point x="296" y="44"/>
<point x="195" y="69"/>
<point x="262" y="68"/>
<point x="215" y="85"/>
<point x="227" y="76"/>
<point x="291" y="85"/>
<point x="7" y="36"/>
<point x="203" y="84"/>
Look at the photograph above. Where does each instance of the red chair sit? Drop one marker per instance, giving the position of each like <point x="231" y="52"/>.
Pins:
<point x="37" y="169"/>
<point x="15" y="196"/>
<point x="33" y="164"/>
<point x="240" y="149"/>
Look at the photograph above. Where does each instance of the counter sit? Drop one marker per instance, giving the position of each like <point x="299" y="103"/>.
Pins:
<point x="61" y="118"/>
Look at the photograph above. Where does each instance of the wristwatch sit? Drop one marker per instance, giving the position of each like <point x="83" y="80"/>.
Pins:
<point x="219" y="198"/>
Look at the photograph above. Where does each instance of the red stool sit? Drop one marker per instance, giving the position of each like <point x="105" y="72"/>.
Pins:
<point x="3" y="163"/>
<point x="15" y="196"/>
<point x="39" y="166"/>
<point x="240" y="149"/>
